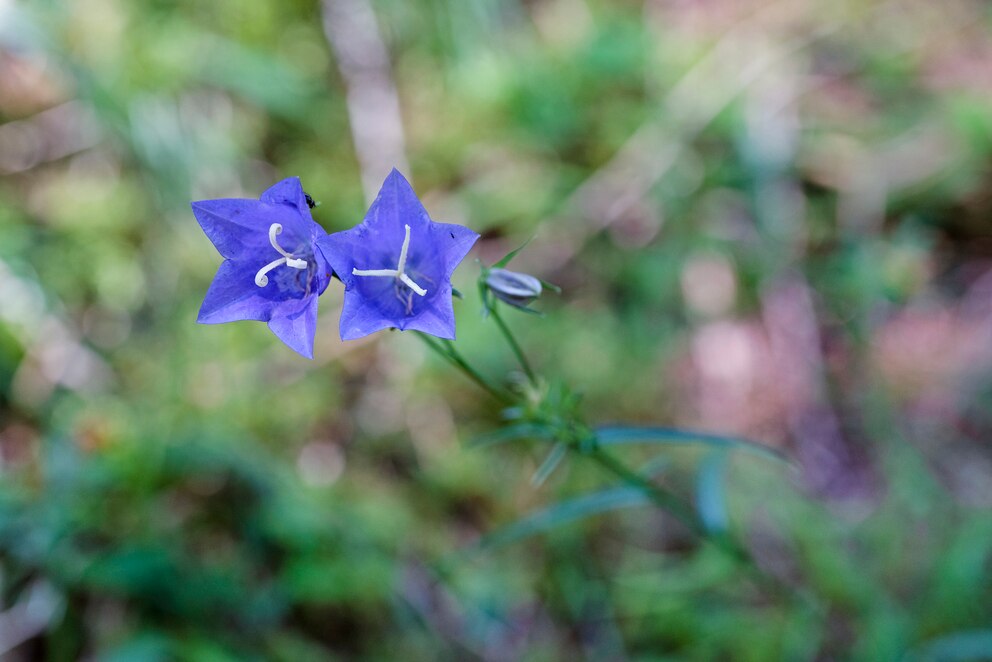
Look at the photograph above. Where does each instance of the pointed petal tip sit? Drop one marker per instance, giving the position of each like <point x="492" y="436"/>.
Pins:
<point x="286" y="191"/>
<point x="219" y="317"/>
<point x="203" y="316"/>
<point x="352" y="333"/>
<point x="201" y="206"/>
<point x="295" y="324"/>
<point x="305" y="352"/>
<point x="295" y="343"/>
<point x="397" y="178"/>
<point x="288" y="180"/>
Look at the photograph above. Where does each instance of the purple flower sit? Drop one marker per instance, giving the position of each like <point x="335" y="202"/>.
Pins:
<point x="271" y="272"/>
<point x="396" y="266"/>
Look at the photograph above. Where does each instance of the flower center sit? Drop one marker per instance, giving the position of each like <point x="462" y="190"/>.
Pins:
<point x="287" y="258"/>
<point x="399" y="272"/>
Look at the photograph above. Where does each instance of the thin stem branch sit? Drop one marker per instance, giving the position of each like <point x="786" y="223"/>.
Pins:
<point x="662" y="497"/>
<point x="451" y="355"/>
<point x="514" y="345"/>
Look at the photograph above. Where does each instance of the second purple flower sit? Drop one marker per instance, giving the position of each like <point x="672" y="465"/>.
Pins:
<point x="396" y="266"/>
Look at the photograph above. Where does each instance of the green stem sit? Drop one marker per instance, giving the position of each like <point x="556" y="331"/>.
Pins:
<point x="524" y="363"/>
<point x="662" y="497"/>
<point x="451" y="355"/>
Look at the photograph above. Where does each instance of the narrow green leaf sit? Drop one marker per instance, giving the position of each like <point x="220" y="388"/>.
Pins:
<point x="956" y="647"/>
<point x="566" y="512"/>
<point x="550" y="463"/>
<point x="711" y="499"/>
<point x="512" y="433"/>
<point x="505" y="260"/>
<point x="618" y="435"/>
<point x="454" y="291"/>
<point x="551" y="286"/>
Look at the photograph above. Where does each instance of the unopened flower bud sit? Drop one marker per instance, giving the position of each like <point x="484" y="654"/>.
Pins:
<point x="514" y="288"/>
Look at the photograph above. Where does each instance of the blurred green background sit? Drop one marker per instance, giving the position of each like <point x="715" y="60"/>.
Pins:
<point x="769" y="218"/>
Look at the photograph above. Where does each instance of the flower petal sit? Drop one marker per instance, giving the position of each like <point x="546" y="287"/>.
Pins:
<point x="295" y="323"/>
<point x="396" y="205"/>
<point x="453" y="244"/>
<point x="290" y="192"/>
<point x="233" y="226"/>
<point x="301" y="227"/>
<point x="341" y="249"/>
<point x="240" y="227"/>
<point x="437" y="318"/>
<point x="233" y="296"/>
<point x="359" y="318"/>
<point x="323" y="270"/>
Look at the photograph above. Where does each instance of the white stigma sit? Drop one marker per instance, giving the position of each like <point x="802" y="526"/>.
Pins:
<point x="287" y="258"/>
<point x="399" y="272"/>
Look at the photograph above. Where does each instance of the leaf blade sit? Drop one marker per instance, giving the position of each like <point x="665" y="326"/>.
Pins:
<point x="955" y="647"/>
<point x="711" y="500"/>
<point x="615" y="435"/>
<point x="505" y="260"/>
<point x="566" y="512"/>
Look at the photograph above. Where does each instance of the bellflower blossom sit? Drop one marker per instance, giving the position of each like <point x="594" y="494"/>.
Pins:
<point x="396" y="266"/>
<point x="271" y="272"/>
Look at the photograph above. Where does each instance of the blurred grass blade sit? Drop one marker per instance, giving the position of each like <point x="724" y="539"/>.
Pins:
<point x="512" y="433"/>
<point x="957" y="647"/>
<point x="256" y="76"/>
<point x="616" y="435"/>
<point x="711" y="499"/>
<point x="566" y="512"/>
<point x="550" y="463"/>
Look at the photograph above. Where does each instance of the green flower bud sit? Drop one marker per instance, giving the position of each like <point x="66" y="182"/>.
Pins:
<point x="516" y="289"/>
